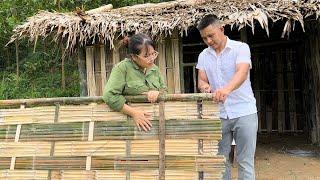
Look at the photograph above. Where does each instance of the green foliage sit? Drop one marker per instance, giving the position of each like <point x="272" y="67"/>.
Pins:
<point x="39" y="72"/>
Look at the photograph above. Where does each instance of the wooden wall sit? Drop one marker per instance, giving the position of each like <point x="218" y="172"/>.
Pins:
<point x="100" y="59"/>
<point x="312" y="80"/>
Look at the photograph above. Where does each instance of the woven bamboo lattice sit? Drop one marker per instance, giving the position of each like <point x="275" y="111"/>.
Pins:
<point x="81" y="138"/>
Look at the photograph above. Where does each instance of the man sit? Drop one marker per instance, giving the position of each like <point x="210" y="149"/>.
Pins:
<point x="224" y="70"/>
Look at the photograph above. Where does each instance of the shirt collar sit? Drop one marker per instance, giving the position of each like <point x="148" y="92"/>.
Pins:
<point x="228" y="46"/>
<point x="135" y="66"/>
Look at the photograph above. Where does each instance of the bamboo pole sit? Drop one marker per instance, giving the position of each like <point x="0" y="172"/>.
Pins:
<point x="98" y="99"/>
<point x="162" y="141"/>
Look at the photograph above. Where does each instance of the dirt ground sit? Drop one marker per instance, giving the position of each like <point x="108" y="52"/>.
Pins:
<point x="274" y="158"/>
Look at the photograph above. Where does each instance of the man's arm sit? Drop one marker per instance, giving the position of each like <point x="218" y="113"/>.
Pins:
<point x="238" y="78"/>
<point x="203" y="82"/>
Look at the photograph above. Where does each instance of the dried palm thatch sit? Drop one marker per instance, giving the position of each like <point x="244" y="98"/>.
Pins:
<point x="102" y="26"/>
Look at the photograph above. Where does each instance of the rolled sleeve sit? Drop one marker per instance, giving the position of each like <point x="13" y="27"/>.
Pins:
<point x="112" y="94"/>
<point x="200" y="64"/>
<point x="243" y="55"/>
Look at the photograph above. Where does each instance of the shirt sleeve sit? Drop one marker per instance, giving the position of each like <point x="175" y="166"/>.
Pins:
<point x="162" y="83"/>
<point x="200" y="64"/>
<point x="244" y="55"/>
<point x="113" y="91"/>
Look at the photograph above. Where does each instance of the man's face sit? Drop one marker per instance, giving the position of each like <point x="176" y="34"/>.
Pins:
<point x="213" y="36"/>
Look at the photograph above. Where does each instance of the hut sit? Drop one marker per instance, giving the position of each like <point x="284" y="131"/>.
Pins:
<point x="284" y="37"/>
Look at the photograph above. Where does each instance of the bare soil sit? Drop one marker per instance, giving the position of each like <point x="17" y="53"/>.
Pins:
<point x="274" y="158"/>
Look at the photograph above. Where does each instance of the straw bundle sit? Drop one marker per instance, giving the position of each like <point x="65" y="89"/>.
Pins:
<point x="80" y="28"/>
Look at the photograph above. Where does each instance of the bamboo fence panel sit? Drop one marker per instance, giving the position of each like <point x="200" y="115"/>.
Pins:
<point x="90" y="141"/>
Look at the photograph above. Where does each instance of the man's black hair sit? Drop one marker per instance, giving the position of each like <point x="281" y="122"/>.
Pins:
<point x="206" y="21"/>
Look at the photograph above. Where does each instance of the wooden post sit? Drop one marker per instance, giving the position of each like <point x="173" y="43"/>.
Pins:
<point x="17" y="56"/>
<point x="82" y="72"/>
<point x="291" y="92"/>
<point x="176" y="60"/>
<point x="91" y="83"/>
<point x="103" y="66"/>
<point x="162" y="58"/>
<point x="63" y="76"/>
<point x="97" y="70"/>
<point x="280" y="85"/>
<point x="162" y="142"/>
<point x="115" y="56"/>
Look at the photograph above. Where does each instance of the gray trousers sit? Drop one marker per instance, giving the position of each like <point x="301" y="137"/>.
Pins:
<point x="244" y="131"/>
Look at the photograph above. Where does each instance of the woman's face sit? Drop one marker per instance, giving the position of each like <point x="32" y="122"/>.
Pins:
<point x="146" y="57"/>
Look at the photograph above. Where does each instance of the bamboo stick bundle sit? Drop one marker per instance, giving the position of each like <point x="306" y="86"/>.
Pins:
<point x="91" y="141"/>
<point x="5" y="163"/>
<point x="196" y="128"/>
<point x="131" y="163"/>
<point x="28" y="115"/>
<point x="182" y="147"/>
<point x="23" y="174"/>
<point x="104" y="174"/>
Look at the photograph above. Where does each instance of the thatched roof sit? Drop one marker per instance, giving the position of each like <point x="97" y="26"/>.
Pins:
<point x="106" y="24"/>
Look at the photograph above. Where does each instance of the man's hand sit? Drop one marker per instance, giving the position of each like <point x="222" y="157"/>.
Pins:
<point x="153" y="96"/>
<point x="205" y="88"/>
<point x="220" y="95"/>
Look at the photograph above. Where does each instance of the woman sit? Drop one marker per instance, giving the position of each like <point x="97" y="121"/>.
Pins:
<point x="134" y="76"/>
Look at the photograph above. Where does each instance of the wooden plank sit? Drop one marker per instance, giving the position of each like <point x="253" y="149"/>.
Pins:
<point x="91" y="83"/>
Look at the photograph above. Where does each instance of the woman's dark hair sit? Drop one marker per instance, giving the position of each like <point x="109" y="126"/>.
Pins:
<point x="207" y="20"/>
<point x="136" y="42"/>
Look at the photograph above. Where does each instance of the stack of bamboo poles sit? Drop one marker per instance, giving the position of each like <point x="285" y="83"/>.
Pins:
<point x="90" y="141"/>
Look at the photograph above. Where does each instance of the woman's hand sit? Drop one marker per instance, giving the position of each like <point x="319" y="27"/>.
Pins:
<point x="153" y="96"/>
<point x="142" y="120"/>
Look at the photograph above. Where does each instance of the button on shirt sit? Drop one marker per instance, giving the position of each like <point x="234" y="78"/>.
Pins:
<point x="220" y="68"/>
